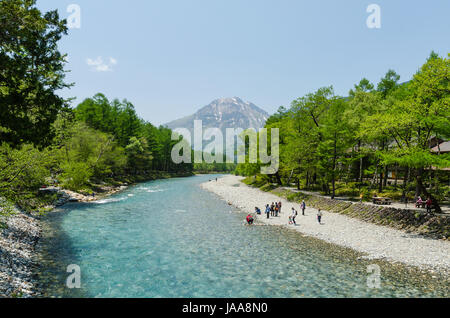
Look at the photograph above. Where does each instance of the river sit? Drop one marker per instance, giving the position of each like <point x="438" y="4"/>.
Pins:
<point x="170" y="238"/>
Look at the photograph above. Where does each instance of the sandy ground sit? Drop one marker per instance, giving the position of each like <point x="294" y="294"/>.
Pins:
<point x="374" y="241"/>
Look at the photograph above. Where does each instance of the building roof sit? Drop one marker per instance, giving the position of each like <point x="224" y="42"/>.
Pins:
<point x="443" y="147"/>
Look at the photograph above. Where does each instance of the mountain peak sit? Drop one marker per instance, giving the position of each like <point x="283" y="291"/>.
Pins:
<point x="226" y="112"/>
<point x="225" y="100"/>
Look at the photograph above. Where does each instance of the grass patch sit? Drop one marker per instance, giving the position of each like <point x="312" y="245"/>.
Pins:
<point x="36" y="202"/>
<point x="255" y="181"/>
<point x="268" y="187"/>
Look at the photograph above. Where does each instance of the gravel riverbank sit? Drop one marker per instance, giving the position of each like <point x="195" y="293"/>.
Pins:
<point x="375" y="241"/>
<point x="19" y="245"/>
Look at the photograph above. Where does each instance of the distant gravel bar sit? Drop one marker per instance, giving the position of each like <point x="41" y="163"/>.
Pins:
<point x="374" y="241"/>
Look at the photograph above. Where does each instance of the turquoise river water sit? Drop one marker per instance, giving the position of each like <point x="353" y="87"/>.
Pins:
<point x="170" y="238"/>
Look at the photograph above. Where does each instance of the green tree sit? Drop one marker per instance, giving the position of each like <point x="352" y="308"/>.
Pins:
<point x="22" y="171"/>
<point x="308" y="113"/>
<point x="336" y="140"/>
<point x="97" y="113"/>
<point x="362" y="104"/>
<point x="138" y="154"/>
<point x="416" y="112"/>
<point x="118" y="118"/>
<point x="364" y="86"/>
<point x="388" y="83"/>
<point x="89" y="153"/>
<point x="32" y="70"/>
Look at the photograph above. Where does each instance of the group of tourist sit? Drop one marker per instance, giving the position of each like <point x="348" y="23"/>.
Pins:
<point x="420" y="203"/>
<point x="274" y="210"/>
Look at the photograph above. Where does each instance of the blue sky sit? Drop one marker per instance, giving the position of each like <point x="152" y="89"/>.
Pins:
<point x="169" y="58"/>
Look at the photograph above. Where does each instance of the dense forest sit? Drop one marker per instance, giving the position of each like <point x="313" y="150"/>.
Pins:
<point x="43" y="141"/>
<point x="379" y="140"/>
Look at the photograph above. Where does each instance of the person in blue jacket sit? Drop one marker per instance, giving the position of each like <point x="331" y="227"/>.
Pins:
<point x="267" y="210"/>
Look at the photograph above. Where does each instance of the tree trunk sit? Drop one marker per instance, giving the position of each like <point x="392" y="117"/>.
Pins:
<point x="436" y="181"/>
<point x="333" y="181"/>
<point x="374" y="179"/>
<point x="380" y="182"/>
<point x="307" y="179"/>
<point x="405" y="183"/>
<point x="386" y="173"/>
<point x="325" y="187"/>
<point x="290" y="176"/>
<point x="418" y="183"/>
<point x="277" y="176"/>
<point x="360" y="163"/>
<point x="349" y="174"/>
<point x="396" y="175"/>
<point x="333" y="189"/>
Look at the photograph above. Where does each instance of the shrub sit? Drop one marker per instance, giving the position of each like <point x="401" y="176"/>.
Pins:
<point x="22" y="171"/>
<point x="76" y="175"/>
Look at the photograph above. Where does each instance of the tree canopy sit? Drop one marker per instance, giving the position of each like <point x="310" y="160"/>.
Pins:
<point x="359" y="140"/>
<point x="31" y="71"/>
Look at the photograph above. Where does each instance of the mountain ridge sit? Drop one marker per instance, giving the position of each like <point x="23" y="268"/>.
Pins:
<point x="222" y="113"/>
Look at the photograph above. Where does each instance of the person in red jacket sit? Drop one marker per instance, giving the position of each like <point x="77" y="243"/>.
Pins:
<point x="249" y="219"/>
<point x="428" y="203"/>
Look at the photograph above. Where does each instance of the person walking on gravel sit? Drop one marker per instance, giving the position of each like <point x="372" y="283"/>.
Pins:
<point x="294" y="214"/>
<point x="267" y="210"/>
<point x="319" y="216"/>
<point x="303" y="207"/>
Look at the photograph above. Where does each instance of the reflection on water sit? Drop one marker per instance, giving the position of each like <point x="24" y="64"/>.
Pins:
<point x="170" y="238"/>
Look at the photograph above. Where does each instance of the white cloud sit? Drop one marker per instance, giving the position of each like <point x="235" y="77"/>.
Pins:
<point x="95" y="62"/>
<point x="99" y="65"/>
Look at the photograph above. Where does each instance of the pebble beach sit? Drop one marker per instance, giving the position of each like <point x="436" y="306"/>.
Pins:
<point x="18" y="251"/>
<point x="19" y="245"/>
<point x="373" y="241"/>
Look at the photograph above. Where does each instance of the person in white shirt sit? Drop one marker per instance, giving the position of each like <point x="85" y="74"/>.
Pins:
<point x="319" y="216"/>
<point x="294" y="214"/>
